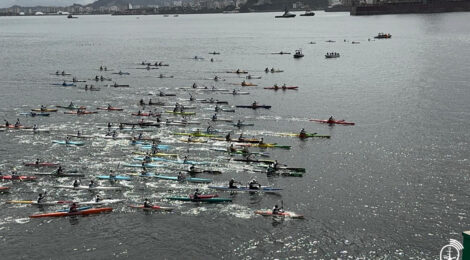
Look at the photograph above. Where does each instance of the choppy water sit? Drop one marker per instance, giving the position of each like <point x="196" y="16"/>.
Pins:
<point x="393" y="186"/>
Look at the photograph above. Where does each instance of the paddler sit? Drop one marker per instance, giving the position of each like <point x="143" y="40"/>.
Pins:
<point x="41" y="197"/>
<point x="261" y="141"/>
<point x="231" y="184"/>
<point x="76" y="183"/>
<point x="64" y="83"/>
<point x="63" y="72"/>
<point x="79" y="133"/>
<point x="209" y="129"/>
<point x="102" y="78"/>
<point x="214" y="117"/>
<point x="240" y="138"/>
<point x="266" y="70"/>
<point x="196" y="194"/>
<point x="239" y="123"/>
<point x="254" y="185"/>
<point x="140" y="136"/>
<point x="234" y="92"/>
<point x="147" y="203"/>
<point x="302" y="133"/>
<point x="255" y="104"/>
<point x="109" y="106"/>
<point x="191" y="98"/>
<point x="98" y="198"/>
<point x="37" y="162"/>
<point x="243" y="83"/>
<point x="141" y="102"/>
<point x="35" y="128"/>
<point x="194" y="85"/>
<point x="97" y="78"/>
<point x="43" y="108"/>
<point x="17" y="124"/>
<point x="101" y="68"/>
<point x="228" y="138"/>
<point x="181" y="177"/>
<point x="185" y="159"/>
<point x="73" y="208"/>
<point x="7" y="124"/>
<point x="232" y="149"/>
<point x="109" y="125"/>
<point x="57" y="72"/>
<point x="277" y="210"/>
<point x="91" y="184"/>
<point x="67" y="140"/>
<point x="238" y="71"/>
<point x="331" y="119"/>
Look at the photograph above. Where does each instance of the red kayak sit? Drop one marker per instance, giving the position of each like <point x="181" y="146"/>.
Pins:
<point x="152" y="208"/>
<point x="2" y="189"/>
<point x="282" y="88"/>
<point x="280" y="214"/>
<point x="205" y="196"/>
<point x="110" y="108"/>
<point x="147" y="114"/>
<point x="339" y="122"/>
<point x="42" y="164"/>
<point x="21" y="178"/>
<point x="65" y="214"/>
<point x="16" y="127"/>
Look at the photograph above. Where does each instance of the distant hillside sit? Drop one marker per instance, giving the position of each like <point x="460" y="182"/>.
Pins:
<point x="272" y="5"/>
<point x="108" y="3"/>
<point x="30" y="3"/>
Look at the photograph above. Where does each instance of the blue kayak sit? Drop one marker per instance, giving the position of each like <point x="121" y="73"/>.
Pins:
<point x="68" y="143"/>
<point x="107" y="177"/>
<point x="160" y="146"/>
<point x="34" y="114"/>
<point x="262" y="189"/>
<point x="171" y="161"/>
<point x="147" y="165"/>
<point x="189" y="179"/>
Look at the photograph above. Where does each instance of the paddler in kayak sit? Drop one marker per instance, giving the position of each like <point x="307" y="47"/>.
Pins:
<point x="214" y="117"/>
<point x="266" y="70"/>
<point x="76" y="183"/>
<point x="147" y="203"/>
<point x="209" y="129"/>
<point x="191" y="98"/>
<point x="141" y="102"/>
<point x="37" y="162"/>
<point x="330" y="120"/>
<point x="277" y="210"/>
<point x="79" y="133"/>
<point x="59" y="171"/>
<point x="98" y="198"/>
<point x="91" y="184"/>
<point x="35" y="128"/>
<point x="181" y="177"/>
<point x="255" y="104"/>
<point x="73" y="208"/>
<point x="228" y="138"/>
<point x="217" y="108"/>
<point x="232" y="149"/>
<point x="18" y="123"/>
<point x="302" y="133"/>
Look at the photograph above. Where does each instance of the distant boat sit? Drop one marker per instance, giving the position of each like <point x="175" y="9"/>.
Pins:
<point x="286" y="14"/>
<point x="383" y="36"/>
<point x="308" y="13"/>
<point x="70" y="16"/>
<point x="298" y="54"/>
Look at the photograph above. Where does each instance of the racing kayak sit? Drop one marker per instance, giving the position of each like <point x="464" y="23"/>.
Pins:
<point x="121" y="73"/>
<point x="208" y="101"/>
<point x="280" y="214"/>
<point x="294" y="169"/>
<point x="81" y="136"/>
<point x="68" y="142"/>
<point x="87" y="188"/>
<point x="80" y="113"/>
<point x="17" y="177"/>
<point x="64" y="84"/>
<point x="33" y="114"/>
<point x="161" y="94"/>
<point x="119" y="86"/>
<point x="155" y="207"/>
<point x="196" y="134"/>
<point x="44" y="110"/>
<point x="239" y="152"/>
<point x="78" y="209"/>
<point x="110" y="108"/>
<point x="45" y="203"/>
<point x="188" y="179"/>
<point x="243" y="140"/>
<point x="42" y="164"/>
<point x="157" y="154"/>
<point x="193" y="140"/>
<point x="307" y="135"/>
<point x="16" y="127"/>
<point x="147" y="114"/>
<point x="180" y="113"/>
<point x="172" y="161"/>
<point x="120" y="178"/>
<point x="248" y="84"/>
<point x="208" y="200"/>
<point x="254" y="161"/>
<point x="238" y="72"/>
<point x="147" y="165"/>
<point x="205" y="196"/>
<point x="247" y="189"/>
<point x="4" y="189"/>
<point x="54" y="174"/>
<point x="237" y="93"/>
<point x="282" y="88"/>
<point x="266" y="145"/>
<point x="254" y="107"/>
<point x="66" y="214"/>
<point x="243" y="124"/>
<point x="339" y="122"/>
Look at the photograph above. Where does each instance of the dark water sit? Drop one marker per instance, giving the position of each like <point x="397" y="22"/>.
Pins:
<point x="391" y="187"/>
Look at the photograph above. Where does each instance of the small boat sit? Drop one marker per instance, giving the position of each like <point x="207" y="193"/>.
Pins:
<point x="254" y="106"/>
<point x="298" y="54"/>
<point x="280" y="214"/>
<point x="308" y="13"/>
<point x="65" y="214"/>
<point x="110" y="108"/>
<point x="331" y="55"/>
<point x="70" y="16"/>
<point x="286" y="14"/>
<point x="33" y="114"/>
<point x="383" y="36"/>
<point x="340" y="122"/>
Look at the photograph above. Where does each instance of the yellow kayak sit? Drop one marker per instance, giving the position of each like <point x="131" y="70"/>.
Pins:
<point x="157" y="154"/>
<point x="193" y="140"/>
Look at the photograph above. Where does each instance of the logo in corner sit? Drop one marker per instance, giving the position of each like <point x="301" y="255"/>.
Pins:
<point x="451" y="251"/>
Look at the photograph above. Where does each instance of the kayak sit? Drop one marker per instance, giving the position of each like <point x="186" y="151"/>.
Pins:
<point x="66" y="214"/>
<point x="167" y="94"/>
<point x="172" y="161"/>
<point x="61" y="74"/>
<point x="80" y="136"/>
<point x="197" y="171"/>
<point x="119" y="86"/>
<point x="280" y="214"/>
<point x="64" y="84"/>
<point x="17" y="177"/>
<point x="196" y="134"/>
<point x="80" y="113"/>
<point x="121" y="73"/>
<point x="87" y="188"/>
<point x="193" y="140"/>
<point x="147" y="114"/>
<point x="34" y="202"/>
<point x="254" y="107"/>
<point x="107" y="177"/>
<point x="266" y="145"/>
<point x="339" y="122"/>
<point x="189" y="179"/>
<point x="208" y="101"/>
<point x="247" y="189"/>
<point x="204" y="196"/>
<point x="110" y="108"/>
<point x="74" y="107"/>
<point x="240" y="152"/>
<point x="35" y="114"/>
<point x="237" y="93"/>
<point x="208" y="200"/>
<point x="248" y="84"/>
<point x="101" y="202"/>
<point x="4" y="189"/>
<point x="243" y="124"/>
<point x="44" y="110"/>
<point x="147" y="123"/>
<point x="307" y="135"/>
<point x="117" y="137"/>
<point x="243" y="140"/>
<point x="42" y="164"/>
<point x="180" y="113"/>
<point x="157" y="154"/>
<point x="68" y="142"/>
<point x="254" y="161"/>
<point x="238" y="72"/>
<point x="155" y="207"/>
<point x="15" y="127"/>
<point x="282" y="88"/>
<point x="159" y="146"/>
<point x="54" y="174"/>
<point x="147" y="165"/>
<point x="78" y="209"/>
<point x="294" y="169"/>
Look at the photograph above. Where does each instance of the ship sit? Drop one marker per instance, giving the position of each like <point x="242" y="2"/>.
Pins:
<point x="429" y="6"/>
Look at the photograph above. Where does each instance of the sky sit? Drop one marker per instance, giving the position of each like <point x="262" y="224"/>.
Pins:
<point x="8" y="3"/>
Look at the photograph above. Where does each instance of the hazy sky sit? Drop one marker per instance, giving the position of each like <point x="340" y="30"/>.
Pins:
<point x="8" y="3"/>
